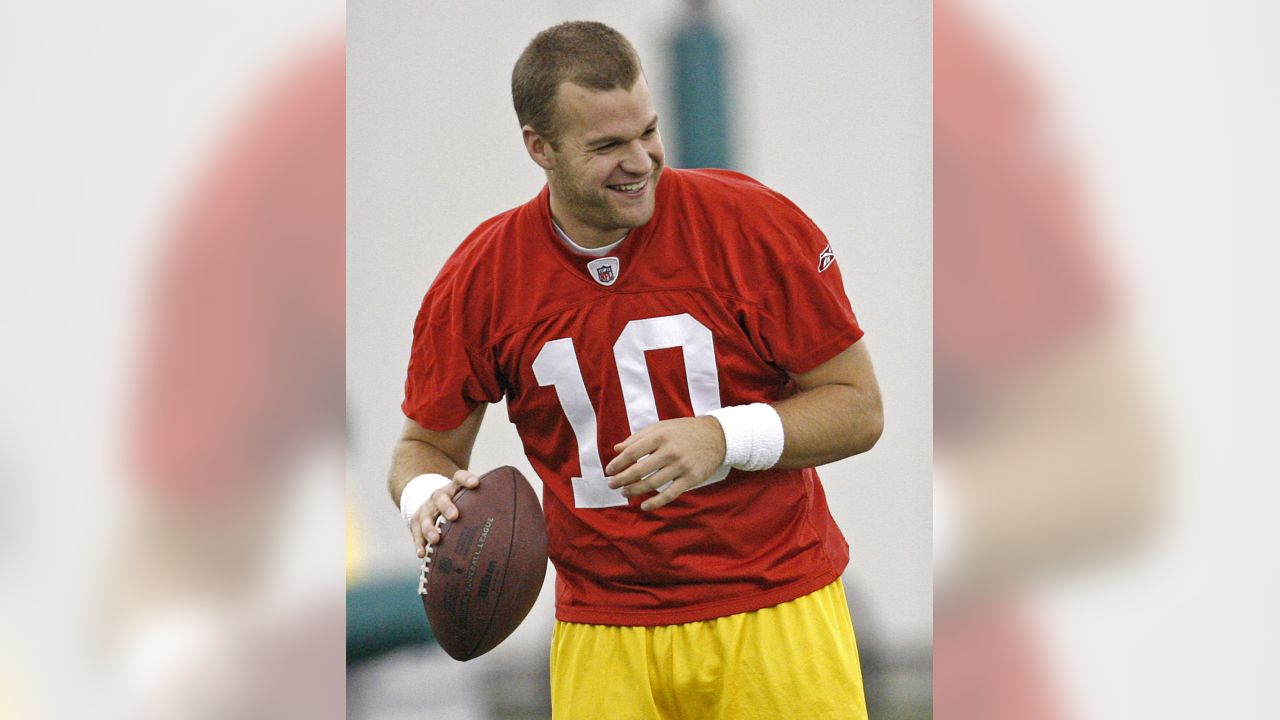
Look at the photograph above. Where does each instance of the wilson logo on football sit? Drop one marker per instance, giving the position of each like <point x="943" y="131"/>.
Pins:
<point x="825" y="259"/>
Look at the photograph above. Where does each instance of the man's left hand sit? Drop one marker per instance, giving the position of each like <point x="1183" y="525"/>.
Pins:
<point x="683" y="452"/>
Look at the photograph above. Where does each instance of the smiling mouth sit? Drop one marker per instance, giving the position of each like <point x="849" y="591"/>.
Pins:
<point x="630" y="188"/>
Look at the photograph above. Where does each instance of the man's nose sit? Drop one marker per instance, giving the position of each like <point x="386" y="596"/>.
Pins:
<point x="637" y="160"/>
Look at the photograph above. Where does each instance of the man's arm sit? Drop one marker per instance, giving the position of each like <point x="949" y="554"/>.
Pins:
<point x="447" y="453"/>
<point x="836" y="413"/>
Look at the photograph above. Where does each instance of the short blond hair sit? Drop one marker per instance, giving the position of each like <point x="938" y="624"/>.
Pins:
<point x="589" y="54"/>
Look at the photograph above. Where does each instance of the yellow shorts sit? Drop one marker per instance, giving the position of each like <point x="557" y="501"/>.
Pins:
<point x="795" y="660"/>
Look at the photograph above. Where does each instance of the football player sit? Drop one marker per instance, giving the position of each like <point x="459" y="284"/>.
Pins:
<point x="677" y="353"/>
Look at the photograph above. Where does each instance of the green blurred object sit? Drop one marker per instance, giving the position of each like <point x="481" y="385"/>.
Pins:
<point x="701" y="99"/>
<point x="383" y="615"/>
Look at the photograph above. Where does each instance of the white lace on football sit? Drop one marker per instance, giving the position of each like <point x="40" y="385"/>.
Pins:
<point x="426" y="560"/>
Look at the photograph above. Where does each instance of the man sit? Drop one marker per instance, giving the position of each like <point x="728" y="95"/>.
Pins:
<point x="677" y="353"/>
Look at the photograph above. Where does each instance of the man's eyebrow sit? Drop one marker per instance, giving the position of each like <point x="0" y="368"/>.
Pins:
<point x="609" y="139"/>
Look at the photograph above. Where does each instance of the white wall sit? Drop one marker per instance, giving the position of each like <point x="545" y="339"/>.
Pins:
<point x="834" y="109"/>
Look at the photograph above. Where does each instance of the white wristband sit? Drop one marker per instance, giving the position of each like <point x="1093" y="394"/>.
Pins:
<point x="753" y="435"/>
<point x="418" y="491"/>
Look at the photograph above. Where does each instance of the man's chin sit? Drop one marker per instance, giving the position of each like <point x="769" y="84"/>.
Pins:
<point x="637" y="217"/>
<point x="638" y="213"/>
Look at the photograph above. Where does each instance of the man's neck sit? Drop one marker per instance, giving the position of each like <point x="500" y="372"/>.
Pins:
<point x="581" y="234"/>
<point x="580" y="250"/>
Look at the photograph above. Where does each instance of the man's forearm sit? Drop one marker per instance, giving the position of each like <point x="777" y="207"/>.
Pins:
<point x="828" y="423"/>
<point x="413" y="458"/>
<point x="420" y="450"/>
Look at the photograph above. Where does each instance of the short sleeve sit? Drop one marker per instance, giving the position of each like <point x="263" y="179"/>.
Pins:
<point x="449" y="376"/>
<point x="805" y="316"/>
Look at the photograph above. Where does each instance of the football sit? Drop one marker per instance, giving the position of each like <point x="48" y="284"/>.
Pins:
<point x="479" y="582"/>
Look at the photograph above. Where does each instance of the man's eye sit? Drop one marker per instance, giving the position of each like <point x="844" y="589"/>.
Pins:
<point x="651" y="132"/>
<point x="607" y="147"/>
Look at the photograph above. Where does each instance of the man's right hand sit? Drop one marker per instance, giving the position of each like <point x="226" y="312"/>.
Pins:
<point x="423" y="525"/>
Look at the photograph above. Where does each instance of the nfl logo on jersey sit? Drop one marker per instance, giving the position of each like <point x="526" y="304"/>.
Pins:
<point x="604" y="270"/>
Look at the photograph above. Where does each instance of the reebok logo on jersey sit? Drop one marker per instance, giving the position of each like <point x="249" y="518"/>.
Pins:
<point x="825" y="259"/>
<point x="604" y="270"/>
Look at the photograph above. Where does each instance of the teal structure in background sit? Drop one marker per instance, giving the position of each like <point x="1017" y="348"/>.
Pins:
<point x="384" y="615"/>
<point x="701" y="97"/>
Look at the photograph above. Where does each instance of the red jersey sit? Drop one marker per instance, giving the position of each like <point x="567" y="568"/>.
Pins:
<point x="711" y="303"/>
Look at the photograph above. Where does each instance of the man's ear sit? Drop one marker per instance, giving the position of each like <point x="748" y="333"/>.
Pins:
<point x="539" y="148"/>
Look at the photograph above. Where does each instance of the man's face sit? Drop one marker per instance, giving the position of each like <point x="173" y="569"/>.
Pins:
<point x="605" y="163"/>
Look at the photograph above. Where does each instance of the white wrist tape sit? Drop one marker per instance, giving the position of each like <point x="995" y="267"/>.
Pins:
<point x="418" y="491"/>
<point x="753" y="436"/>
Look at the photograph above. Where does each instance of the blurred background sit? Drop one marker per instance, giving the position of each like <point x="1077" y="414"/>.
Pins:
<point x="1105" y="526"/>
<point x="831" y="107"/>
<point x="171" y="382"/>
<point x="1103" y="508"/>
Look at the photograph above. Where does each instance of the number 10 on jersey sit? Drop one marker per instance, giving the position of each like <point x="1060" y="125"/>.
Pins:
<point x="557" y="365"/>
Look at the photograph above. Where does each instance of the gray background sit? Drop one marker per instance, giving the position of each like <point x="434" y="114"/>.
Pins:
<point x="833" y="108"/>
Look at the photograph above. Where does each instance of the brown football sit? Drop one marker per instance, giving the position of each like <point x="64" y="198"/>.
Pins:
<point x="479" y="582"/>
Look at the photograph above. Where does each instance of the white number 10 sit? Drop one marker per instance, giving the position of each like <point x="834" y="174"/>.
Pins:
<point x="557" y="365"/>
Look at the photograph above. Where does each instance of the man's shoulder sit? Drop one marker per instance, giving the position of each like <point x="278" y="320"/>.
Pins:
<point x="739" y="200"/>
<point x="736" y="222"/>
<point x="495" y="239"/>
<point x="714" y="188"/>
<point x="506" y="226"/>
<point x="466" y="290"/>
